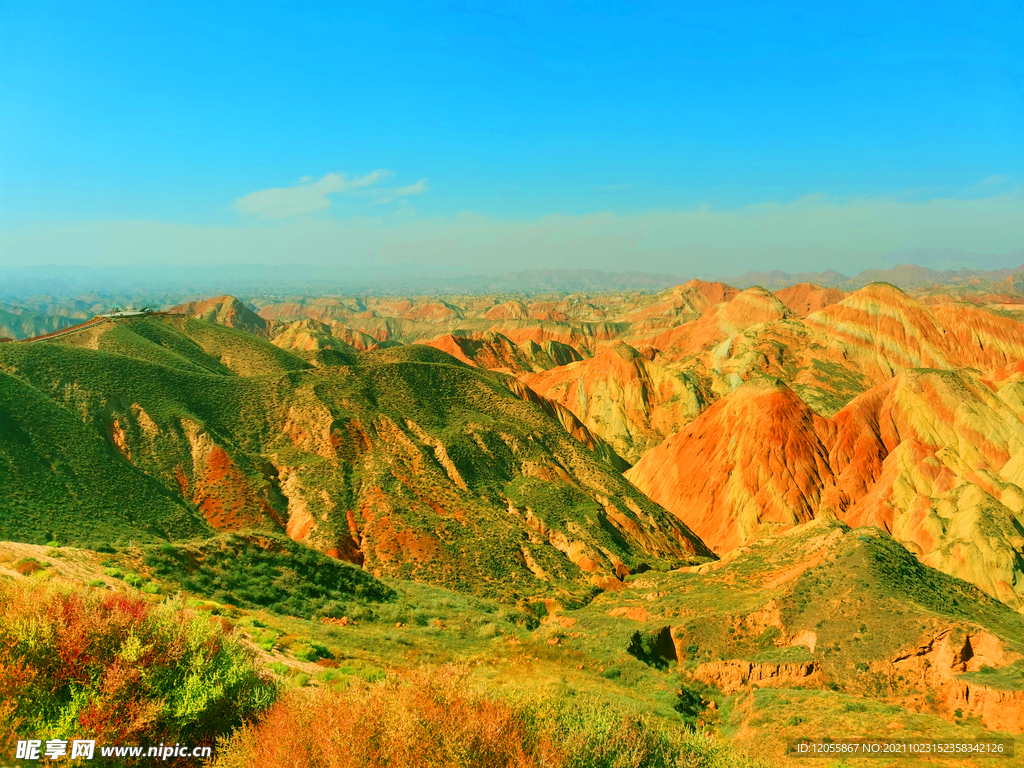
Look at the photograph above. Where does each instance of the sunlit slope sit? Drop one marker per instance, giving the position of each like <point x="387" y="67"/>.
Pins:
<point x="408" y="461"/>
<point x="882" y="331"/>
<point x="224" y="310"/>
<point x="934" y="457"/>
<point x="624" y="397"/>
<point x="188" y="344"/>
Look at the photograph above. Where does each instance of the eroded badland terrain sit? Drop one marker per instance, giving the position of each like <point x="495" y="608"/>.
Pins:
<point x="756" y="515"/>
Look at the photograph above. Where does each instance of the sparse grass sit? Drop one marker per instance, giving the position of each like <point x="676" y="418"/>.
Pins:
<point x="771" y="717"/>
<point x="1010" y="678"/>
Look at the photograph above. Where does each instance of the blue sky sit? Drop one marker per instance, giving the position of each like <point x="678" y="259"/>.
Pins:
<point x="644" y="135"/>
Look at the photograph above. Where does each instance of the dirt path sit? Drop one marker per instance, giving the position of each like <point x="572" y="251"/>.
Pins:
<point x="68" y="562"/>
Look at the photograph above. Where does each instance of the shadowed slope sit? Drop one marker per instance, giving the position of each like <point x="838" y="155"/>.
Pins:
<point x="63" y="479"/>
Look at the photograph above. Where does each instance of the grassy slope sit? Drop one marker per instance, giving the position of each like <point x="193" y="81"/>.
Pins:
<point x="863" y="596"/>
<point x="582" y="655"/>
<point x="61" y="479"/>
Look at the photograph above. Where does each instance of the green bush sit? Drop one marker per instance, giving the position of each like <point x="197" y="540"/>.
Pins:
<point x="266" y="571"/>
<point x="133" y="580"/>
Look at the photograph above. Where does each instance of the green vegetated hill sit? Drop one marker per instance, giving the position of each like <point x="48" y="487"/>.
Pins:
<point x="823" y="631"/>
<point x="61" y="477"/>
<point x="261" y="570"/>
<point x="406" y="462"/>
<point x="22" y="323"/>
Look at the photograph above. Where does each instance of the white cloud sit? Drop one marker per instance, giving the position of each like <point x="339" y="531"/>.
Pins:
<point x="390" y="195"/>
<point x="994" y="180"/>
<point x="307" y="197"/>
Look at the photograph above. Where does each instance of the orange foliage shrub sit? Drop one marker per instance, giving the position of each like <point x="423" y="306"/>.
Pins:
<point x="425" y="719"/>
<point x="434" y="719"/>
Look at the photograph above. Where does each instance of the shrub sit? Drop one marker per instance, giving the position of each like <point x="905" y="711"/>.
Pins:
<point x="689" y="704"/>
<point x="28" y="566"/>
<point x="488" y="630"/>
<point x="112" y="667"/>
<point x="133" y="580"/>
<point x="266" y="571"/>
<point x="433" y="718"/>
<point x="653" y="647"/>
<point x="767" y="639"/>
<point x="305" y="652"/>
<point x="97" y="583"/>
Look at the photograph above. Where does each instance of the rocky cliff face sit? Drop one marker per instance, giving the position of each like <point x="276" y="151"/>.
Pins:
<point x="731" y="676"/>
<point x="937" y="663"/>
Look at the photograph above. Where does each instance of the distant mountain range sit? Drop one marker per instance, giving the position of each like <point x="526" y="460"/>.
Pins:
<point x="908" y="277"/>
<point x="166" y="285"/>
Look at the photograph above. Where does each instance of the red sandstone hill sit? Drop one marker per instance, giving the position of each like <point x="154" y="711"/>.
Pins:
<point x="934" y="457"/>
<point x="692" y="298"/>
<point x="755" y="457"/>
<point x="719" y="323"/>
<point x="224" y="310"/>
<point x="620" y="394"/>
<point x="696" y="342"/>
<point x="495" y="351"/>
<point x="804" y="298"/>
<point x="509" y="310"/>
